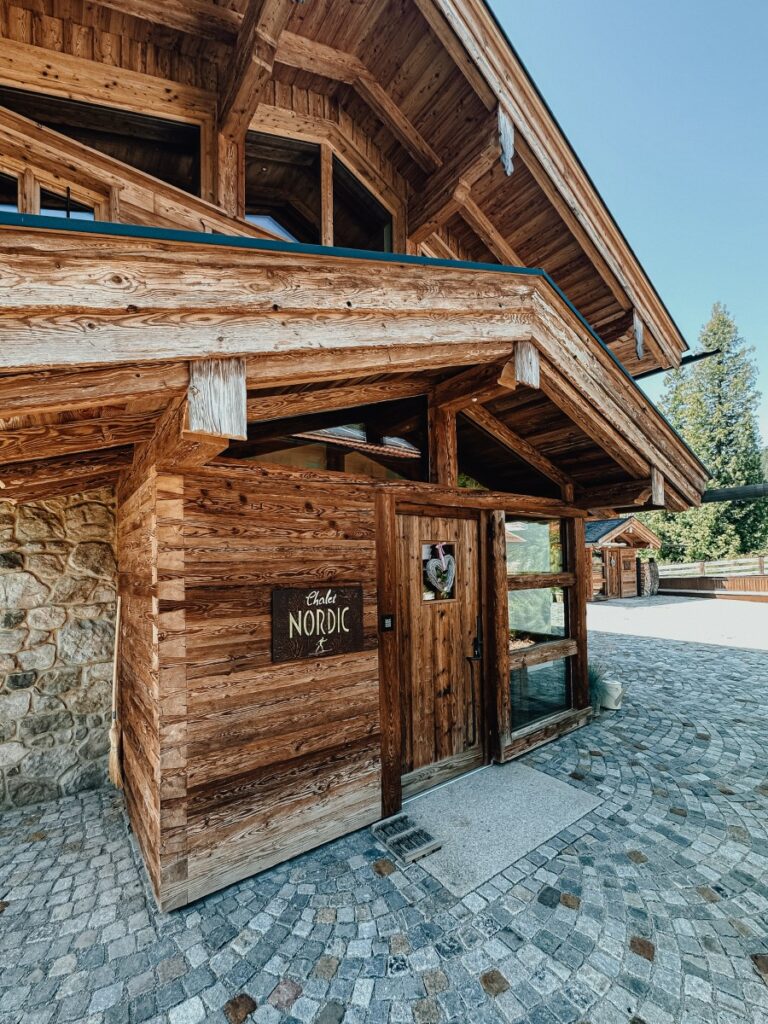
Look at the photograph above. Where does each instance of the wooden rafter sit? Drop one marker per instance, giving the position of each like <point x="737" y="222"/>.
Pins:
<point x="448" y="188"/>
<point x="199" y="18"/>
<point x="61" y="390"/>
<point x="307" y="55"/>
<point x="541" y="142"/>
<point x="489" y="235"/>
<point x="493" y="426"/>
<point x="251" y="66"/>
<point x="70" y="474"/>
<point x="633" y="493"/>
<point x="462" y="389"/>
<point x="113" y="430"/>
<point x="343" y="396"/>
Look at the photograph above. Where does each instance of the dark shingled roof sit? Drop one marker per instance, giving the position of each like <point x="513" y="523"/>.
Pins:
<point x="595" y="530"/>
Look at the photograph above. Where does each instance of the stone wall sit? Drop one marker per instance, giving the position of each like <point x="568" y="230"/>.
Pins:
<point x="58" y="583"/>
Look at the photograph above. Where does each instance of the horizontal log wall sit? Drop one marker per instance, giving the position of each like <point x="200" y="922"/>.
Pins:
<point x="277" y="758"/>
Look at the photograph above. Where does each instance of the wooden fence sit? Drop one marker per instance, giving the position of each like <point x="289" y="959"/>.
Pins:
<point x="754" y="566"/>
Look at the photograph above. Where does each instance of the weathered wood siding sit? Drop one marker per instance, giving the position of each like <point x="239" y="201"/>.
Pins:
<point x="138" y="667"/>
<point x="277" y="758"/>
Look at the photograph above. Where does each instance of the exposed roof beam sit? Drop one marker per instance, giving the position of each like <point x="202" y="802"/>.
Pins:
<point x="467" y="387"/>
<point x="571" y="221"/>
<point x="251" y="66"/>
<point x="307" y="55"/>
<point x="263" y="407"/>
<point x="194" y="17"/>
<point x="457" y="51"/>
<point x="489" y="235"/>
<point x="25" y="444"/>
<point x="47" y="478"/>
<point x="633" y="493"/>
<point x="447" y="189"/>
<point x="493" y="426"/>
<point x="49" y="391"/>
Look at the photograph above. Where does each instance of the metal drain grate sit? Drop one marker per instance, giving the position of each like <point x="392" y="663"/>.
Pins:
<point x="405" y="838"/>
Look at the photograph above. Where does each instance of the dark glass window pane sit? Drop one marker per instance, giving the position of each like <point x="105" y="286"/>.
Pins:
<point x="167" y="150"/>
<point x="538" y="691"/>
<point x="282" y="186"/>
<point x="359" y="219"/>
<point x="9" y="193"/>
<point x="54" y="205"/>
<point x="533" y="546"/>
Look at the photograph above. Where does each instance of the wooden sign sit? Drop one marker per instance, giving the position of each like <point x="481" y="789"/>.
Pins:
<point x="317" y="622"/>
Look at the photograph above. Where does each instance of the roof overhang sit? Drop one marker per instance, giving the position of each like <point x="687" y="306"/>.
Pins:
<point x="101" y="296"/>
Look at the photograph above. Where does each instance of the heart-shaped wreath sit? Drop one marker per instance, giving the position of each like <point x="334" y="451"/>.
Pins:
<point x="440" y="573"/>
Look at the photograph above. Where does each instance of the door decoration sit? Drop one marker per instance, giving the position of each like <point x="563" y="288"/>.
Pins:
<point x="316" y="622"/>
<point x="438" y="572"/>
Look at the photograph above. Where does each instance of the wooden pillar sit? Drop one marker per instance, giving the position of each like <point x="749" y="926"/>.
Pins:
<point x="443" y="451"/>
<point x="389" y="650"/>
<point x="29" y="192"/>
<point x="577" y="610"/>
<point x="326" y="194"/>
<point x="497" y="643"/>
<point x="230" y="175"/>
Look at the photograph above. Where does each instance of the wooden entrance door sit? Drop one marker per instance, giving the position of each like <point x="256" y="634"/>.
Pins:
<point x="628" y="573"/>
<point x="441" y="647"/>
<point x="612" y="558"/>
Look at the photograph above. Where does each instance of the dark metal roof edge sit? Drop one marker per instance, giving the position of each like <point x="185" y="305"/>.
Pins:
<point x="29" y="220"/>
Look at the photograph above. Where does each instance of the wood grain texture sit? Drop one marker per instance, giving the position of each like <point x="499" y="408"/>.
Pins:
<point x="275" y="759"/>
<point x="442" y="691"/>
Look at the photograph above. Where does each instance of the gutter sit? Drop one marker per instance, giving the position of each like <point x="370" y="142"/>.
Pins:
<point x="692" y="357"/>
<point x="35" y="221"/>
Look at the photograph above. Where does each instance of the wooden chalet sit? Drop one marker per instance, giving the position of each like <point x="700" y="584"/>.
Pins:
<point x="612" y="546"/>
<point x="323" y="292"/>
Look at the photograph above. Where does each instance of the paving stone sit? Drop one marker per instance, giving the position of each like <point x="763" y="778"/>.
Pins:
<point x="494" y="982"/>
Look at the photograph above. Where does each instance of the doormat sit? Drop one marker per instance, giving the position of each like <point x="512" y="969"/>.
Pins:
<point x="405" y="838"/>
<point x="491" y="818"/>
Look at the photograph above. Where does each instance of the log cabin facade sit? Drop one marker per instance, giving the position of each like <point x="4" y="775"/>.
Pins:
<point x="323" y="292"/>
<point x="612" y="550"/>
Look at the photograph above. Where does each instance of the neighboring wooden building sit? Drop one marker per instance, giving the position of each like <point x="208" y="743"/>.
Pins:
<point x="285" y="274"/>
<point x="612" y="546"/>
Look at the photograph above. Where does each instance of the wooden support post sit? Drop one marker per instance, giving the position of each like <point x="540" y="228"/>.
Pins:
<point x="326" y="194"/>
<point x="230" y="175"/>
<point x="578" y="563"/>
<point x="389" y="654"/>
<point x="657" y="487"/>
<point x="523" y="368"/>
<point x="29" y="192"/>
<point x="113" y="205"/>
<point x="499" y="710"/>
<point x="443" y="450"/>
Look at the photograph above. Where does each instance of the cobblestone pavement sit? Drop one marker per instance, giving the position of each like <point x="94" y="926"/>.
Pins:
<point x="649" y="909"/>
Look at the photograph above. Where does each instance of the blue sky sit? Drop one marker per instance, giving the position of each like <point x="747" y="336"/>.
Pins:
<point x="666" y="103"/>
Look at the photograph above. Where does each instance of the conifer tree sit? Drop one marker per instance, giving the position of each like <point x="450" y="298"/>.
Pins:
<point x="713" y="405"/>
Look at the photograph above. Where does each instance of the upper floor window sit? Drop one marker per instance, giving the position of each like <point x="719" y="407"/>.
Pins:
<point x="9" y="193"/>
<point x="54" y="205"/>
<point x="282" y="186"/>
<point x="167" y="150"/>
<point x="285" y="192"/>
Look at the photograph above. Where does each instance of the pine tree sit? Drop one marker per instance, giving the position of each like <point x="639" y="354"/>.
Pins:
<point x="713" y="405"/>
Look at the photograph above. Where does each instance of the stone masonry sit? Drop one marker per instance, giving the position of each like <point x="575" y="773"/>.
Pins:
<point x="58" y="581"/>
<point x="651" y="909"/>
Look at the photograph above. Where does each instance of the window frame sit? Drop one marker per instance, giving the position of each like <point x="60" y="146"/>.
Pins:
<point x="561" y="648"/>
